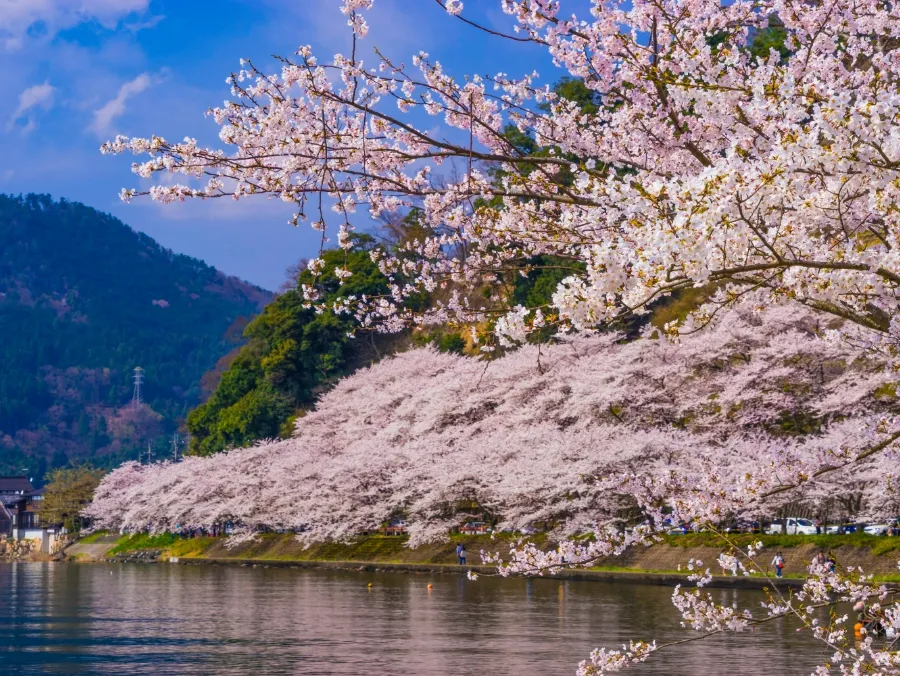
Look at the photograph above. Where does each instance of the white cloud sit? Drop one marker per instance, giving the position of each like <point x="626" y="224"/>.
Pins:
<point x="150" y="22"/>
<point x="38" y="96"/>
<point x="108" y="112"/>
<point x="20" y="17"/>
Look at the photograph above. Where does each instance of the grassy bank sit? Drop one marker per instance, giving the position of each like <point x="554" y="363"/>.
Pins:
<point x="877" y="555"/>
<point x="131" y="543"/>
<point x="393" y="548"/>
<point x="93" y="537"/>
<point x="284" y="547"/>
<point x="876" y="545"/>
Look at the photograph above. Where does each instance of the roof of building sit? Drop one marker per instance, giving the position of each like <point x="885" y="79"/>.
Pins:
<point x="15" y="484"/>
<point x="10" y="499"/>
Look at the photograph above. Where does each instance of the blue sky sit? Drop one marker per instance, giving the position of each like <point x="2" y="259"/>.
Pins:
<point x="80" y="71"/>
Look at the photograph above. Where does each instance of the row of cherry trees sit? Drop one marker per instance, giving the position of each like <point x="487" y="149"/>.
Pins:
<point x="771" y="177"/>
<point x="552" y="434"/>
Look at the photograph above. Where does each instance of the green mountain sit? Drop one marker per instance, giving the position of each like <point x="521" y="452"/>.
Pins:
<point x="293" y="353"/>
<point x="84" y="299"/>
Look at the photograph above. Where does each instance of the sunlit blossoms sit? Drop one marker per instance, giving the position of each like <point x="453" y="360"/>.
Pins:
<point x="705" y="163"/>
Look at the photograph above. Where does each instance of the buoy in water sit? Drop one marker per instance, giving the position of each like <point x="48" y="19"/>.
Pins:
<point x="430" y="586"/>
<point x="369" y="585"/>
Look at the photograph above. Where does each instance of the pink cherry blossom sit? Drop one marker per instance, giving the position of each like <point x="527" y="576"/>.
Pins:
<point x="705" y="163"/>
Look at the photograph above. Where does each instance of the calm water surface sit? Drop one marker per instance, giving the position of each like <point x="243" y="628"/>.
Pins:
<point x="167" y="619"/>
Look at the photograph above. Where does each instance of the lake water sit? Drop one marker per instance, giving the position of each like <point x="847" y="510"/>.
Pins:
<point x="61" y="618"/>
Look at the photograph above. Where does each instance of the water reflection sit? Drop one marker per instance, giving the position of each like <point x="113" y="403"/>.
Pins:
<point x="162" y="619"/>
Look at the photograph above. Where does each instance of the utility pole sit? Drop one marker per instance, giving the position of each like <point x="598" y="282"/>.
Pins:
<point x="138" y="381"/>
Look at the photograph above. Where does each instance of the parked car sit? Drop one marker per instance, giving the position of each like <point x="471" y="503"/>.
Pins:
<point x="886" y="527"/>
<point x="792" y="526"/>
<point x="742" y="526"/>
<point x="474" y="528"/>
<point x="877" y="528"/>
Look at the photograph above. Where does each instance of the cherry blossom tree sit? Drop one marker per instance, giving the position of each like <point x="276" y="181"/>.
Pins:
<point x="705" y="164"/>
<point x="764" y="177"/>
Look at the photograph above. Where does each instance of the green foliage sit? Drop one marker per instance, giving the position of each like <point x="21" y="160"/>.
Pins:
<point x="83" y="300"/>
<point x="292" y="352"/>
<point x="67" y="493"/>
<point x="677" y="306"/>
<point x="772" y="37"/>
<point x="569" y="89"/>
<point x="93" y="537"/>
<point x="452" y="342"/>
<point x="574" y="90"/>
<point x="543" y="275"/>
<point x="886" y="392"/>
<point x="796" y="423"/>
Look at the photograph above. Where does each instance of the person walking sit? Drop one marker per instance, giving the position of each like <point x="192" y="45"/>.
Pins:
<point x="778" y="562"/>
<point x="461" y="554"/>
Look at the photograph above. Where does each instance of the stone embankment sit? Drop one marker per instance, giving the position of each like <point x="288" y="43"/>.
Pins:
<point x="18" y="550"/>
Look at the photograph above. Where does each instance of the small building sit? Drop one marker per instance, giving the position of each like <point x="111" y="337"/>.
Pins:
<point x="396" y="526"/>
<point x="20" y="517"/>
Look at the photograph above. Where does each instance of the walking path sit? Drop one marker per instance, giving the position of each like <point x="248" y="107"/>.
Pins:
<point x="94" y="551"/>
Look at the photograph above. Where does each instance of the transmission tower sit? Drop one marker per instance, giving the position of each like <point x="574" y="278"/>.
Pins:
<point x="138" y="381"/>
<point x="176" y="442"/>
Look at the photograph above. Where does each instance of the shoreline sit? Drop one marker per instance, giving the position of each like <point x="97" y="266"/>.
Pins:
<point x="660" y="564"/>
<point x="574" y="574"/>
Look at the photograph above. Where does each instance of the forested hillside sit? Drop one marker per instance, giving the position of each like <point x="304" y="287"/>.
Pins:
<point x="83" y="301"/>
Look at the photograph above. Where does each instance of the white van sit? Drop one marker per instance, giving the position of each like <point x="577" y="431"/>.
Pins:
<point x="794" y="527"/>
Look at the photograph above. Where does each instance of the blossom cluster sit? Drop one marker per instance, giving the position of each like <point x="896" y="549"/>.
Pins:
<point x="707" y="162"/>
